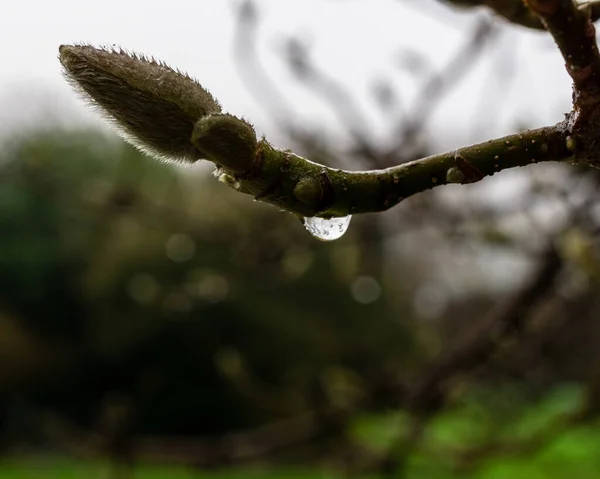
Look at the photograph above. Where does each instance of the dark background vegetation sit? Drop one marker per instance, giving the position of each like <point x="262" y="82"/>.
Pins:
<point x="151" y="317"/>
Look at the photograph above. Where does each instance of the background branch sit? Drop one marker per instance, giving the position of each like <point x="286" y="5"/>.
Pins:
<point x="516" y="12"/>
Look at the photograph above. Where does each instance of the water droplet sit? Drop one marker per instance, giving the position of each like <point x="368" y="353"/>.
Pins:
<point x="327" y="229"/>
<point x="454" y="175"/>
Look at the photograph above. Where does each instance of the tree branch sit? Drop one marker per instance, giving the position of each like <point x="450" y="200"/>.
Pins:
<point x="575" y="36"/>
<point x="515" y="11"/>
<point x="298" y="185"/>
<point x="170" y="115"/>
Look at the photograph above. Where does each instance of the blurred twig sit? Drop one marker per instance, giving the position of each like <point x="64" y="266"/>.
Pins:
<point x="257" y="79"/>
<point x="429" y="396"/>
<point x="516" y="12"/>
<point x="407" y="142"/>
<point x="335" y="95"/>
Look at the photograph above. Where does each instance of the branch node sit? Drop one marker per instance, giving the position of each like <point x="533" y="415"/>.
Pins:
<point x="309" y="191"/>
<point x="470" y="173"/>
<point x="227" y="140"/>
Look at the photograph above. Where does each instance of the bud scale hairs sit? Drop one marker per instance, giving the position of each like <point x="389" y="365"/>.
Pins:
<point x="151" y="105"/>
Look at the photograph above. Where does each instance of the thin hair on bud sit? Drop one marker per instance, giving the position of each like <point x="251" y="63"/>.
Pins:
<point x="152" y="106"/>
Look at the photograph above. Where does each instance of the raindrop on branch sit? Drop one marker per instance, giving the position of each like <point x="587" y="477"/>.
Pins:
<point x="327" y="229"/>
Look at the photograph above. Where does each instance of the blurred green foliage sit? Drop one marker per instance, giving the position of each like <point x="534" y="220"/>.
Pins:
<point x="573" y="452"/>
<point x="128" y="280"/>
<point x="141" y="298"/>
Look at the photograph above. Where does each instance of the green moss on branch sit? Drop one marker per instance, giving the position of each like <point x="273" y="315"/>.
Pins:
<point x="335" y="192"/>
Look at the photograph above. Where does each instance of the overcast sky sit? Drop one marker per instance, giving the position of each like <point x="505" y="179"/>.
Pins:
<point x="354" y="41"/>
